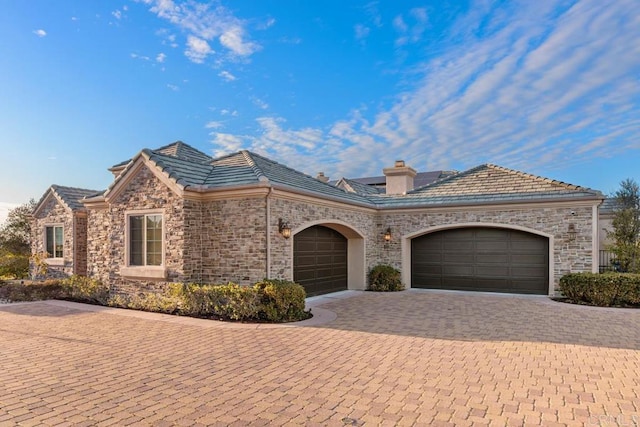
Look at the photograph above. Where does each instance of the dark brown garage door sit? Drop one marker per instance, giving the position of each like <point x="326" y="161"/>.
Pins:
<point x="481" y="259"/>
<point x="320" y="260"/>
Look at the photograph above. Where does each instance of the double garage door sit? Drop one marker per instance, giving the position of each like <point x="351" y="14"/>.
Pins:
<point x="481" y="259"/>
<point x="320" y="260"/>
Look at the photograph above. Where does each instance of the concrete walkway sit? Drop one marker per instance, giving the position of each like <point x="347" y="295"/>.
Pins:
<point x="408" y="358"/>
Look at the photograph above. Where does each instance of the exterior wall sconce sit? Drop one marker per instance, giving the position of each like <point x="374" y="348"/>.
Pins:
<point x="284" y="229"/>
<point x="387" y="235"/>
<point x="572" y="233"/>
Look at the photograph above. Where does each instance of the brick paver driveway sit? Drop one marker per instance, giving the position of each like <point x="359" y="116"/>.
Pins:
<point x="409" y="358"/>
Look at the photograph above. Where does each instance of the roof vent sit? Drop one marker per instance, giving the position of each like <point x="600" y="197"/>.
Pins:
<point x="321" y="177"/>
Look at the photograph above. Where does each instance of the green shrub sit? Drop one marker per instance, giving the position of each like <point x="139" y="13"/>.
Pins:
<point x="31" y="291"/>
<point x="281" y="300"/>
<point x="606" y="289"/>
<point x="14" y="266"/>
<point x="385" y="278"/>
<point x="85" y="289"/>
<point x="230" y="301"/>
<point x="157" y="303"/>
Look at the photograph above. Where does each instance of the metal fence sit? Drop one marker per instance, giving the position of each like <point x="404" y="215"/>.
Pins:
<point x="607" y="262"/>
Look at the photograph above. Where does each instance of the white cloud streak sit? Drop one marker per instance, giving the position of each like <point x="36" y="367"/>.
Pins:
<point x="553" y="85"/>
<point x="40" y="33"/>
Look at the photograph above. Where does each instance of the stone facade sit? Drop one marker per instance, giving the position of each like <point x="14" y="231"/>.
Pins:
<point x="54" y="213"/>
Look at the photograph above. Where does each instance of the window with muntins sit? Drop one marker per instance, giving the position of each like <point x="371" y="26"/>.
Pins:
<point x="145" y="239"/>
<point x="54" y="241"/>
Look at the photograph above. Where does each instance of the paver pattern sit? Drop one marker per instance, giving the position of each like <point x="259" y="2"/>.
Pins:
<point x="408" y="358"/>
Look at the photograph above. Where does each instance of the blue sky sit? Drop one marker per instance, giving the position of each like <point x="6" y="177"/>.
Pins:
<point x="547" y="87"/>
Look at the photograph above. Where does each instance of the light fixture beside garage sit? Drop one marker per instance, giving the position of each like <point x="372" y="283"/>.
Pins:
<point x="387" y="235"/>
<point x="572" y="233"/>
<point x="284" y="229"/>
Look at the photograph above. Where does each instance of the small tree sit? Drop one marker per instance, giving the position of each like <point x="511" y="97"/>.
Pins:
<point x="15" y="241"/>
<point x="626" y="226"/>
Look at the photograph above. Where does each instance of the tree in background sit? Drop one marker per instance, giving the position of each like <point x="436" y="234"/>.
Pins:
<point x="626" y="226"/>
<point x="15" y="241"/>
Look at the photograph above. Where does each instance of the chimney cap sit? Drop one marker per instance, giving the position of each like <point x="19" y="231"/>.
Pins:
<point x="399" y="164"/>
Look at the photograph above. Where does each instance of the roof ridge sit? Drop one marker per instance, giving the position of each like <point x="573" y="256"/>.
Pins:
<point x="164" y="167"/>
<point x="254" y="167"/>
<point x="287" y="167"/>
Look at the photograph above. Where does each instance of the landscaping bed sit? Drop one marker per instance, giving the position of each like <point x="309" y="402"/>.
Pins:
<point x="270" y="301"/>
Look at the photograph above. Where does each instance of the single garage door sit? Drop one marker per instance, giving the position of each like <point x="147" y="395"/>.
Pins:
<point x="481" y="259"/>
<point x="320" y="260"/>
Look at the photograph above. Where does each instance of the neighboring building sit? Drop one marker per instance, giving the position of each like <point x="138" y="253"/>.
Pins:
<point x="175" y="214"/>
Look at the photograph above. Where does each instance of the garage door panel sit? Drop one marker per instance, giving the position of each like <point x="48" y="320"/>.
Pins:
<point x="496" y="271"/>
<point x="492" y="258"/>
<point x="481" y="258"/>
<point x="457" y="245"/>
<point x="457" y="258"/>
<point x="492" y="246"/>
<point x="320" y="260"/>
<point x="458" y="270"/>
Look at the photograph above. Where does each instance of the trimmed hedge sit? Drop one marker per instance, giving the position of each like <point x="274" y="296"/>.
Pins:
<point x="605" y="289"/>
<point x="266" y="301"/>
<point x="385" y="278"/>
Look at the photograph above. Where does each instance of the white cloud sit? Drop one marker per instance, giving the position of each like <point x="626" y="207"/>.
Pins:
<point x="233" y="39"/>
<point x="554" y="85"/>
<point x="197" y="49"/>
<point x="173" y="87"/>
<point x="226" y="143"/>
<point x="213" y="125"/>
<point x="259" y="103"/>
<point x="140" y="57"/>
<point x="40" y="33"/>
<point x="161" y="57"/>
<point x="117" y="14"/>
<point x="203" y="23"/>
<point x="227" y="76"/>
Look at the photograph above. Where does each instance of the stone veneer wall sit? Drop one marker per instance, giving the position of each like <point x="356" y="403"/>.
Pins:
<point x="568" y="255"/>
<point x="107" y="234"/>
<point x="233" y="241"/>
<point x="300" y="214"/>
<point x="53" y="213"/>
<point x="80" y="245"/>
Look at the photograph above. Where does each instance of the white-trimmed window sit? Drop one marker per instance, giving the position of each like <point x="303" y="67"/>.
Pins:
<point x="145" y="240"/>
<point x="54" y="241"/>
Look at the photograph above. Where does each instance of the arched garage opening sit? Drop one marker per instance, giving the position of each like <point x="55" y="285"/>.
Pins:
<point x="481" y="258"/>
<point x="328" y="257"/>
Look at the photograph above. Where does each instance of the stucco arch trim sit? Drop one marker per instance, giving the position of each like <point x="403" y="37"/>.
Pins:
<point x="356" y="249"/>
<point x="406" y="244"/>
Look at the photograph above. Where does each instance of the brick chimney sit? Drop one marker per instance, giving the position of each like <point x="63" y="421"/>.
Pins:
<point x="399" y="178"/>
<point x="321" y="177"/>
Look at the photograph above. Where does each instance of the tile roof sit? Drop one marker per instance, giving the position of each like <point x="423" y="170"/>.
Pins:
<point x="70" y="196"/>
<point x="243" y="168"/>
<point x="483" y="184"/>
<point x="184" y="151"/>
<point x="176" y="149"/>
<point x="493" y="179"/>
